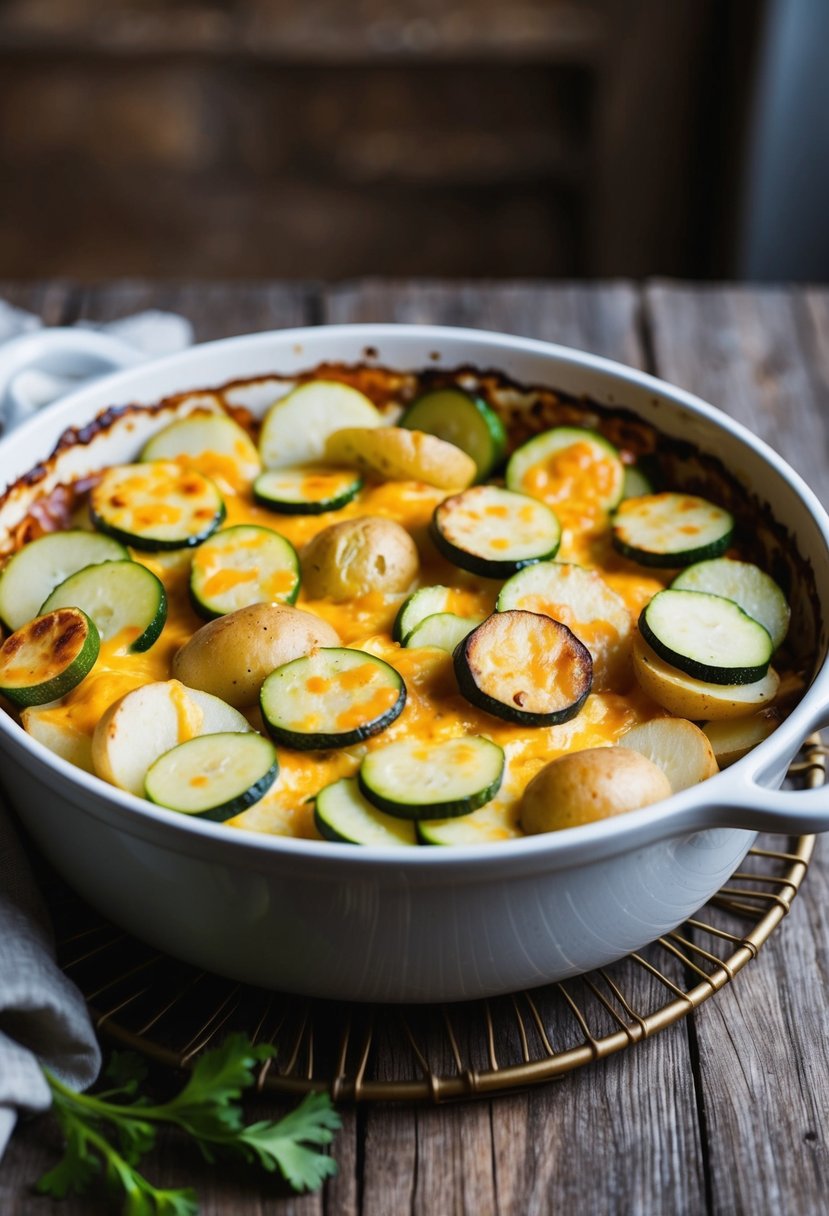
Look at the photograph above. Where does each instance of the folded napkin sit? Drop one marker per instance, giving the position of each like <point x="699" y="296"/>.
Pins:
<point x="43" y="1018"/>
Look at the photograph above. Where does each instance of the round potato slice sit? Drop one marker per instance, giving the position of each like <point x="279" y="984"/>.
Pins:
<point x="734" y="738"/>
<point x="393" y="453"/>
<point x="148" y="722"/>
<point x="582" y="787"/>
<point x="689" y="698"/>
<point x="357" y="556"/>
<point x="676" y="746"/>
<point x="231" y="656"/>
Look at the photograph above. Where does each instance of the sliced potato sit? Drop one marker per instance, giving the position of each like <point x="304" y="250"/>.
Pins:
<point x="60" y="737"/>
<point x="357" y="556"/>
<point x="731" y="740"/>
<point x="148" y="722"/>
<point x="581" y="787"/>
<point x="676" y="746"/>
<point x="689" y="698"/>
<point x="296" y="427"/>
<point x="393" y="453"/>
<point x="231" y="656"/>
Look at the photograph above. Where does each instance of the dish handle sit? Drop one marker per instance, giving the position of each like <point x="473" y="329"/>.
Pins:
<point x="78" y="353"/>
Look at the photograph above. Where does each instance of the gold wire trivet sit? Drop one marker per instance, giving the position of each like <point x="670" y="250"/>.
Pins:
<point x="171" y="1011"/>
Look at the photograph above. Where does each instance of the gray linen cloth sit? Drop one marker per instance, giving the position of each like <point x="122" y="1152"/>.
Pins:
<point x="43" y="1017"/>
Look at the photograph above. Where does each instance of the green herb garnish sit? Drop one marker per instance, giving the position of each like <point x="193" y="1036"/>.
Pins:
<point x="108" y="1136"/>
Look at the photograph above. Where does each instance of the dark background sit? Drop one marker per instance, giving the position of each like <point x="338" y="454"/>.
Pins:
<point x="329" y="138"/>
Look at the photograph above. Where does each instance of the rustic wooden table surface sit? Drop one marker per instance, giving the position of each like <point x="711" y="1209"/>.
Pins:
<point x="728" y="1111"/>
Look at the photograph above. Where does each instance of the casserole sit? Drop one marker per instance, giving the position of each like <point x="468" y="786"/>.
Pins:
<point x="368" y="924"/>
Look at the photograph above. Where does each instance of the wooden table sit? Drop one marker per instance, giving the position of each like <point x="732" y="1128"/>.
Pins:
<point x="727" y="1112"/>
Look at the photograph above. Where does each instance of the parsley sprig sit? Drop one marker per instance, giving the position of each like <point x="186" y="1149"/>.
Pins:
<point x="113" y="1136"/>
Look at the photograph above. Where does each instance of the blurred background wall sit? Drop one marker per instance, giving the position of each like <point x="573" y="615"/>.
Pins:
<point x="327" y="138"/>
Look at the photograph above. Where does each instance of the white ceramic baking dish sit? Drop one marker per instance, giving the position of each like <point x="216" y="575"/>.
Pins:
<point x="425" y="924"/>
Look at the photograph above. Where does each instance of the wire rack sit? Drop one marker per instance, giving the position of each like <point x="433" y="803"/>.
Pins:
<point x="171" y="1012"/>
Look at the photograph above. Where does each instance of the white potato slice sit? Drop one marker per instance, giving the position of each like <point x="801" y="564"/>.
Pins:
<point x="689" y="698"/>
<point x="296" y="427"/>
<point x="731" y="740"/>
<point x="61" y="738"/>
<point x="393" y="453"/>
<point x="676" y="746"/>
<point x="148" y="722"/>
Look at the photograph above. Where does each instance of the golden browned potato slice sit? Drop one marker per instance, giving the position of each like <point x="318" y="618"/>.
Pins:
<point x="61" y="738"/>
<point x="584" y="786"/>
<point x="394" y="453"/>
<point x="689" y="698"/>
<point x="357" y="556"/>
<point x="731" y="740"/>
<point x="231" y="656"/>
<point x="676" y="746"/>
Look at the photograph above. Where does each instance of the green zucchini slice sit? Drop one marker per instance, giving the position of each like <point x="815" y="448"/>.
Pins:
<point x="158" y="505"/>
<point x="426" y="780"/>
<point x="121" y="597"/>
<point x="206" y="434"/>
<point x="747" y="585"/>
<point x="637" y="482"/>
<point x="34" y="571"/>
<point x="464" y="420"/>
<point x="333" y="697"/>
<point x="213" y="776"/>
<point x="568" y="464"/>
<point x="426" y="601"/>
<point x="706" y="636"/>
<point x="524" y="667"/>
<point x="344" y="815"/>
<point x="495" y="532"/>
<point x="297" y="427"/>
<point x="243" y="565"/>
<point x="309" y="490"/>
<point x="47" y="657"/>
<point x="671" y="529"/>
<point x="443" y="630"/>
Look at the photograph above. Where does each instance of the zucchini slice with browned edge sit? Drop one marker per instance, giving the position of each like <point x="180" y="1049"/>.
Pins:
<point x="494" y="532"/>
<point x="308" y="490"/>
<point x="158" y="505"/>
<point x="671" y="529"/>
<point x="333" y="697"/>
<point x="524" y="667"/>
<point x="240" y="566"/>
<point x="297" y="427"/>
<point x="213" y="776"/>
<point x="417" y="779"/>
<point x="744" y="583"/>
<point x="47" y="657"/>
<point x="568" y="464"/>
<point x="462" y="419"/>
<point x="123" y="598"/>
<point x="211" y="441"/>
<point x="344" y="815"/>
<point x="32" y="573"/>
<point x="706" y="636"/>
<point x="443" y="630"/>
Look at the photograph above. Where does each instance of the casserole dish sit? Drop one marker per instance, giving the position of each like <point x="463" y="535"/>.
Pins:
<point x="369" y="924"/>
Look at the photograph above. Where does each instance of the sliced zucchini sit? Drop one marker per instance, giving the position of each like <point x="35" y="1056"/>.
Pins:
<point x="671" y="529"/>
<point x="121" y="597"/>
<point x="296" y="428"/>
<point x="524" y="667"/>
<point x="212" y="442"/>
<point x="747" y="585"/>
<point x="444" y="630"/>
<point x="243" y="565"/>
<point x="462" y="419"/>
<point x="213" y="776"/>
<point x="308" y="490"/>
<point x="487" y="825"/>
<point x="495" y="532"/>
<point x="637" y="482"/>
<point x="343" y="814"/>
<point x="706" y="636"/>
<point x="426" y="780"/>
<point x="47" y="657"/>
<point x="34" y="571"/>
<point x="568" y="464"/>
<point x="158" y="505"/>
<point x="333" y="697"/>
<point x="426" y="601"/>
<point x="698" y="700"/>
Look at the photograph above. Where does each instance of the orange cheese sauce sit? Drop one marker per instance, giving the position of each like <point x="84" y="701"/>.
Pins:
<point x="435" y="711"/>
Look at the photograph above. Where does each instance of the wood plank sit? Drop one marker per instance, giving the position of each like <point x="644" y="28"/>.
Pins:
<point x="54" y="302"/>
<point x="636" y="1114"/>
<point x="762" y="355"/>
